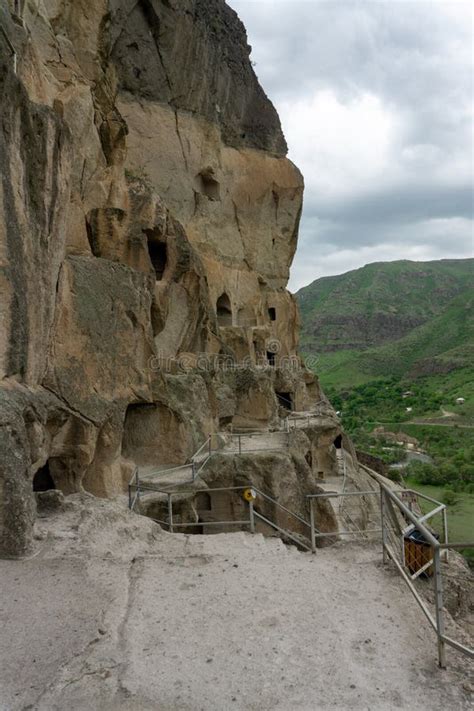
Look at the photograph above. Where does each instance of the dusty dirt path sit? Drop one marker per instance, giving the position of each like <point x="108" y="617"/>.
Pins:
<point x="113" y="614"/>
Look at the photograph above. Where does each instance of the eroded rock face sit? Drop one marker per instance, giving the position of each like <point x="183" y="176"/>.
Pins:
<point x="148" y="220"/>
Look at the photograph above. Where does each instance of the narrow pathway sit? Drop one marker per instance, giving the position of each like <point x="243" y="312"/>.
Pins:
<point x="118" y="616"/>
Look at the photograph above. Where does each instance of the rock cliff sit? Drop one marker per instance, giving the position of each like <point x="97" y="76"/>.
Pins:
<point x="148" y="220"/>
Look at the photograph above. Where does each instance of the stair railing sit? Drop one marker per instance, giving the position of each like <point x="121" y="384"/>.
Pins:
<point x="197" y="466"/>
<point x="136" y="487"/>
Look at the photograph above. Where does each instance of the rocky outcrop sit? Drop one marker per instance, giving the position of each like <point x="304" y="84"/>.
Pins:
<point x="148" y="220"/>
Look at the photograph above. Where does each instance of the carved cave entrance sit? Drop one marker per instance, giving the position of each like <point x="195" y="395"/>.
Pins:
<point x="42" y="480"/>
<point x="338" y="442"/>
<point x="225" y="422"/>
<point x="158" y="256"/>
<point x="224" y="310"/>
<point x="272" y="313"/>
<point x="285" y="400"/>
<point x="270" y="358"/>
<point x="207" y="184"/>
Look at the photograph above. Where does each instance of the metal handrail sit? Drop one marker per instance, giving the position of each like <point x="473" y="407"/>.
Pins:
<point x="202" y="447"/>
<point x="389" y="499"/>
<point x="336" y="494"/>
<point x="197" y="467"/>
<point x="306" y="417"/>
<point x="132" y="500"/>
<point x="437" y="622"/>
<point x="208" y="443"/>
<point x="283" y="531"/>
<point x="277" y="503"/>
<point x="157" y="472"/>
<point x="253" y="513"/>
<point x="296" y="415"/>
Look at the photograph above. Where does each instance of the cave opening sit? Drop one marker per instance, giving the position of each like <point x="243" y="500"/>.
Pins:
<point x="208" y="185"/>
<point x="285" y="400"/>
<point x="225" y="422"/>
<point x="42" y="480"/>
<point x="270" y="358"/>
<point x="203" y="501"/>
<point x="272" y="313"/>
<point x="158" y="256"/>
<point x="224" y="310"/>
<point x="338" y="442"/>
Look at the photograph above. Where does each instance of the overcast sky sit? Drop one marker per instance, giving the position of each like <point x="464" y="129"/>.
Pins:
<point x="376" y="102"/>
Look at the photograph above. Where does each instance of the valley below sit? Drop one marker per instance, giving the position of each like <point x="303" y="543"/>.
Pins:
<point x="404" y="392"/>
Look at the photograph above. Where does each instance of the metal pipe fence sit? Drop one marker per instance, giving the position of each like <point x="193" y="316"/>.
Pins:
<point x="256" y="442"/>
<point x="353" y="517"/>
<point x="395" y="517"/>
<point x="414" y="556"/>
<point x="294" y="420"/>
<point x="137" y="489"/>
<point x="224" y="443"/>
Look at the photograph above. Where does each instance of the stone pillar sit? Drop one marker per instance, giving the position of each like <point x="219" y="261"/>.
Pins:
<point x="17" y="503"/>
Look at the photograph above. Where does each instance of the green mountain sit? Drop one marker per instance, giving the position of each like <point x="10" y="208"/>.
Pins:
<point x="396" y="319"/>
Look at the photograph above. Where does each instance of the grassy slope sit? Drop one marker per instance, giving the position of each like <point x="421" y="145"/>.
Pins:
<point x="439" y="292"/>
<point x="412" y="288"/>
<point x="448" y="337"/>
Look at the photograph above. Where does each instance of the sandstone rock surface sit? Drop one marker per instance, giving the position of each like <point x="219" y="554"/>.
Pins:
<point x="148" y="220"/>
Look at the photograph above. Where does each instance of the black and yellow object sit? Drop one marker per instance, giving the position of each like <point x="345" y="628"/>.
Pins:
<point x="249" y="495"/>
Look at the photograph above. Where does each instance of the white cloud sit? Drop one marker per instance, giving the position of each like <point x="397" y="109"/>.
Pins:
<point x="342" y="147"/>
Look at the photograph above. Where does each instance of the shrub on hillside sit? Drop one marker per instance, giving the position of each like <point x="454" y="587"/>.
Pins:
<point x="450" y="498"/>
<point x="395" y="475"/>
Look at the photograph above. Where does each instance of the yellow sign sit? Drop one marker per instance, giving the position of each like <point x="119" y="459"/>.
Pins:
<point x="250" y="494"/>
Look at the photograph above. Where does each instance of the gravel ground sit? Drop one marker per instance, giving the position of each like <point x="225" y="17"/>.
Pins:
<point x="113" y="614"/>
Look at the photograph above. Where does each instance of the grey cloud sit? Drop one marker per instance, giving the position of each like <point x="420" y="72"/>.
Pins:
<point x="400" y="205"/>
<point x="416" y="58"/>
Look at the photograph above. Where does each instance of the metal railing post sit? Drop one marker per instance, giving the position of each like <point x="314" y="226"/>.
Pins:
<point x="382" y="526"/>
<point x="251" y="517"/>
<point x="130" y="497"/>
<point x="313" y="529"/>
<point x="240" y="444"/>
<point x="210" y="444"/>
<point x="445" y="534"/>
<point x="193" y="470"/>
<point x="445" y="526"/>
<point x="438" y="589"/>
<point x="138" y="486"/>
<point x="170" y="513"/>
